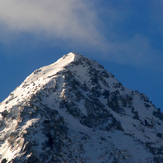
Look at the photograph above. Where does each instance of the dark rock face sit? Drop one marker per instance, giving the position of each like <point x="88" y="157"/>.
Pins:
<point x="79" y="113"/>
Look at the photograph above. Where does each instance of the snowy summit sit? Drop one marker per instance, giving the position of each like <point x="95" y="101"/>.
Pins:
<point x="75" y="111"/>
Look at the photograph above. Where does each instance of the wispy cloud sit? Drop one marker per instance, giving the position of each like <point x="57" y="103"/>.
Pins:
<point x="71" y="19"/>
<point x="78" y="22"/>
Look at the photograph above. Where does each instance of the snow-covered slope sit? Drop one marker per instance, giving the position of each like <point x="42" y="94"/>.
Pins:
<point x="75" y="111"/>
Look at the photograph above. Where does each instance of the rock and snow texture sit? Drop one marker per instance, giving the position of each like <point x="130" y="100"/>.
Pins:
<point x="75" y="111"/>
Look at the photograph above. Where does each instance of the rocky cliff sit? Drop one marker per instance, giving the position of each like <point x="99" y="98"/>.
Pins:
<point x="75" y="111"/>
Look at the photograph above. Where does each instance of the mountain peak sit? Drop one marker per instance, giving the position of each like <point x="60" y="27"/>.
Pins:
<point x="75" y="111"/>
<point x="55" y="67"/>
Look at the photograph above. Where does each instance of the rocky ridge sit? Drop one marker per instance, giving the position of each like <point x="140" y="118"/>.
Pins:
<point x="75" y="111"/>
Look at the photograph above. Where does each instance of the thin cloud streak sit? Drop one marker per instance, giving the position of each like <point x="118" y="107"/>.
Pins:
<point x="136" y="51"/>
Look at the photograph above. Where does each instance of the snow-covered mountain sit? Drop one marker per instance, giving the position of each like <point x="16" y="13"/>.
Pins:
<point x="75" y="111"/>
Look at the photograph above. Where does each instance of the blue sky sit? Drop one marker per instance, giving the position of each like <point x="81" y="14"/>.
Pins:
<point x="124" y="36"/>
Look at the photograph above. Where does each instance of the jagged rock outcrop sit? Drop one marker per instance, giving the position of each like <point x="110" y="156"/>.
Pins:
<point x="75" y="111"/>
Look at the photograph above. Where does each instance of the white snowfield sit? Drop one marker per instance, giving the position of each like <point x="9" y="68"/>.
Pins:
<point x="74" y="110"/>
